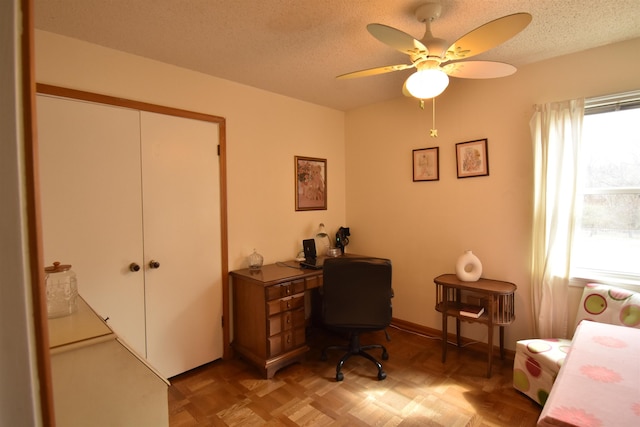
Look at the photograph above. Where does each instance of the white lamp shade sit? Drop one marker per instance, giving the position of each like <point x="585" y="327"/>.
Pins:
<point x="427" y="83"/>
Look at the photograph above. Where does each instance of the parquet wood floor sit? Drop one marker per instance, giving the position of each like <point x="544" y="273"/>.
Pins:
<point x="419" y="390"/>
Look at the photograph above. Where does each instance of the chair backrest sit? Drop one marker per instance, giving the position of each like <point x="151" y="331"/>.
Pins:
<point x="357" y="292"/>
<point x="608" y="304"/>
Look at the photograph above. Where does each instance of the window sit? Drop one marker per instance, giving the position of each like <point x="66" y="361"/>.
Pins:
<point x="606" y="239"/>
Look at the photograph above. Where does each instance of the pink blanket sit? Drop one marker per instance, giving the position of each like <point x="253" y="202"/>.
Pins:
<point x="599" y="382"/>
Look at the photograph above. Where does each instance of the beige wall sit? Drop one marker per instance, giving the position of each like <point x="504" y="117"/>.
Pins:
<point x="423" y="227"/>
<point x="264" y="133"/>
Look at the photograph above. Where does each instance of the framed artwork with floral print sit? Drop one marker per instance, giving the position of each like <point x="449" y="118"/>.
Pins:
<point x="310" y="183"/>
<point x="472" y="158"/>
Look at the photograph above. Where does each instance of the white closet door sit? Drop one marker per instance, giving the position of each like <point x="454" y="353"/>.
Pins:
<point x="181" y="200"/>
<point x="90" y="189"/>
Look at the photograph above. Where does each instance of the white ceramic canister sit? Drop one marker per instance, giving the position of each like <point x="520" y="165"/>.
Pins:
<point x="468" y="267"/>
<point x="62" y="290"/>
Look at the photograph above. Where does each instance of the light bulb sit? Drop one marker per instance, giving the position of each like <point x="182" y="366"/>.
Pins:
<point x="427" y="83"/>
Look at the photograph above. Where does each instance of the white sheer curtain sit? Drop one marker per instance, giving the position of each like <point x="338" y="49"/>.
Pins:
<point x="556" y="130"/>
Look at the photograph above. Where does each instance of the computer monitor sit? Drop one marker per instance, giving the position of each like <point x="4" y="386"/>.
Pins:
<point x="311" y="260"/>
<point x="309" y="247"/>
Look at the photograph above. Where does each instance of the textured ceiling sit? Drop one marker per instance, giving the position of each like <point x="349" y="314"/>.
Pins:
<point x="297" y="47"/>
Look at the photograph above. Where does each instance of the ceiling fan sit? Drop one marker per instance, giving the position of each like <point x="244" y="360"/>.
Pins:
<point x="435" y="62"/>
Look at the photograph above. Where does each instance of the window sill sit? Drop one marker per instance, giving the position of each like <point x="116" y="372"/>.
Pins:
<point x="627" y="282"/>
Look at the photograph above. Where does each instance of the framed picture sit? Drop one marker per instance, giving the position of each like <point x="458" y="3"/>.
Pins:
<point x="310" y="183"/>
<point x="472" y="158"/>
<point x="426" y="164"/>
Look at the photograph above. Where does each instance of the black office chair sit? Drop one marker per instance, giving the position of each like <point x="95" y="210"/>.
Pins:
<point x="357" y="298"/>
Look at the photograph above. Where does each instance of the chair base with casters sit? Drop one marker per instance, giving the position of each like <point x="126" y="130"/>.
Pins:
<point x="356" y="298"/>
<point x="356" y="349"/>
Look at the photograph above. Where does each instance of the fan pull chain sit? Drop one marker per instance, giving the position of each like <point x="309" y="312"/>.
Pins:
<point x="434" y="132"/>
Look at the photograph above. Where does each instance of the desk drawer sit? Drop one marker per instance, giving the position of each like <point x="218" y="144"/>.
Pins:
<point x="285" y="321"/>
<point x="285" y="304"/>
<point x="286" y="341"/>
<point x="284" y="289"/>
<point x="314" y="282"/>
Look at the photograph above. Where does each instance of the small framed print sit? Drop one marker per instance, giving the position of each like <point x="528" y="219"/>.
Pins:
<point x="472" y="158"/>
<point x="426" y="164"/>
<point x="310" y="183"/>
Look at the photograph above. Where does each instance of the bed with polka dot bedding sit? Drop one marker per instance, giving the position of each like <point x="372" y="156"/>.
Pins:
<point x="537" y="362"/>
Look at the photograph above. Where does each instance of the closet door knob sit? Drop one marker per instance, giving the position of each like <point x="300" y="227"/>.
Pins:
<point x="134" y="267"/>
<point x="154" y="264"/>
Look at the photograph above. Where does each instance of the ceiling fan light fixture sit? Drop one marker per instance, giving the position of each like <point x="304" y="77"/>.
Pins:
<point x="427" y="83"/>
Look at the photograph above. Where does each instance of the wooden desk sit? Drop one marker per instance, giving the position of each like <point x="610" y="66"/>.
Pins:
<point x="269" y="314"/>
<point x="496" y="296"/>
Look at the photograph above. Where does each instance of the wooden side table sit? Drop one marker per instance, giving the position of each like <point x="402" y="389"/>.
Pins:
<point x="497" y="298"/>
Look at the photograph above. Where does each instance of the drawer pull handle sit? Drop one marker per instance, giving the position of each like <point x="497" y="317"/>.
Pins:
<point x="288" y="304"/>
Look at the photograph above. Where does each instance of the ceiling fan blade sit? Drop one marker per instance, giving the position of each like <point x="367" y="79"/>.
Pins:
<point x="375" y="71"/>
<point x="478" y="69"/>
<point x="397" y="39"/>
<point x="488" y="36"/>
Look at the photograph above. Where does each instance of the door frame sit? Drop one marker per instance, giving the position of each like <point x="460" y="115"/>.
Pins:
<point x="63" y="92"/>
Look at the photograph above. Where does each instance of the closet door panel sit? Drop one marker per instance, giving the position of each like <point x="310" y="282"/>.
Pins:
<point x="181" y="199"/>
<point x="90" y="188"/>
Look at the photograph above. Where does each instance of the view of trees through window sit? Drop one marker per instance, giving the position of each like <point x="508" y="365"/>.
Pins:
<point x="607" y="234"/>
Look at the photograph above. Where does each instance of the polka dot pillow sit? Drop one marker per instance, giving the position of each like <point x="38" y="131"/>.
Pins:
<point x="607" y="304"/>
